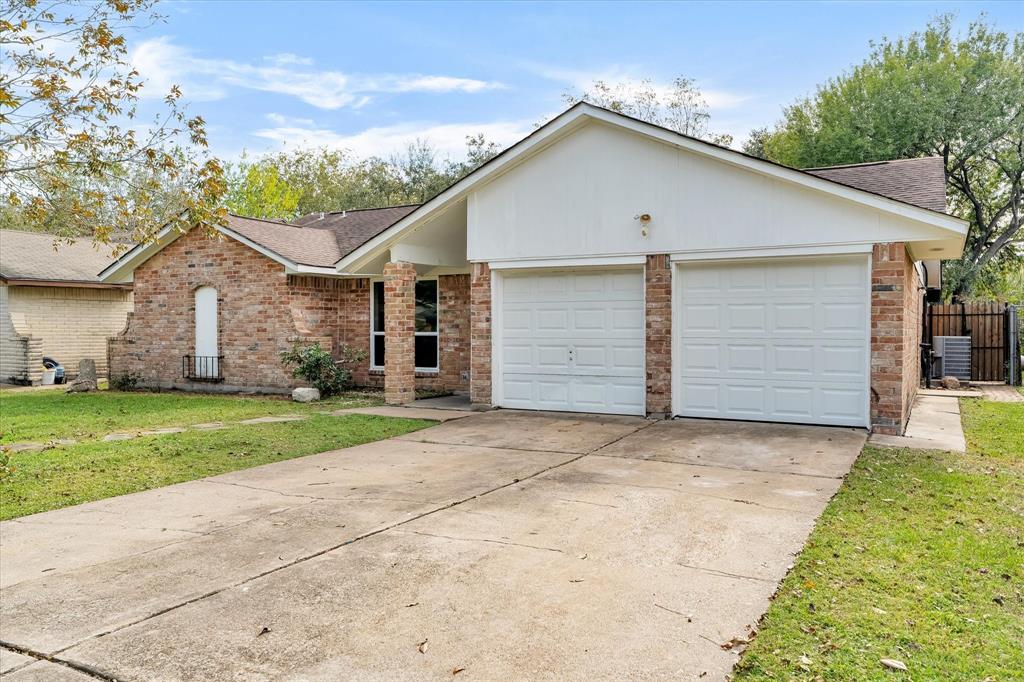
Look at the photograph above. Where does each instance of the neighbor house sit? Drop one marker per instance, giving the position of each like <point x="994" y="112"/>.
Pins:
<point x="52" y="303"/>
<point x="602" y="264"/>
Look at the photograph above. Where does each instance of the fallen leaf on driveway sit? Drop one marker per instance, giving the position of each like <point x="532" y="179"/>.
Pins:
<point x="422" y="647"/>
<point x="262" y="632"/>
<point x="576" y="580"/>
<point x="734" y="642"/>
<point x="456" y="671"/>
<point x="893" y="664"/>
<point x="415" y="603"/>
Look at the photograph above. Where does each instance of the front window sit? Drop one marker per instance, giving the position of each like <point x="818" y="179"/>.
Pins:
<point x="426" y="354"/>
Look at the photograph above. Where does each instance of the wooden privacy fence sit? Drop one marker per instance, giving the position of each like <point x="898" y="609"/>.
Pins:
<point x="988" y="326"/>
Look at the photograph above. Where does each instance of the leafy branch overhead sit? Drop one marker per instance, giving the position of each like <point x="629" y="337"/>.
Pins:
<point x="76" y="157"/>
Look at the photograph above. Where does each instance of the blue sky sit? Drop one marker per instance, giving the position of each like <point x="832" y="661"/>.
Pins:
<point x="370" y="77"/>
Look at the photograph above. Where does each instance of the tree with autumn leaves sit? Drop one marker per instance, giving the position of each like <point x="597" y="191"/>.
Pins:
<point x="76" y="158"/>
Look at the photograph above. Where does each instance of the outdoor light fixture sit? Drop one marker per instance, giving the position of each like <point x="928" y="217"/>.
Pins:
<point x="645" y="223"/>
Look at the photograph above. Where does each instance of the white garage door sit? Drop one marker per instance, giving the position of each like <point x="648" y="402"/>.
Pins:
<point x="774" y="340"/>
<point x="572" y="341"/>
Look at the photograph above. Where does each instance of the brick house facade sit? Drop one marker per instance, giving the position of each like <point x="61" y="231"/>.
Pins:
<point x="673" y="278"/>
<point x="262" y="312"/>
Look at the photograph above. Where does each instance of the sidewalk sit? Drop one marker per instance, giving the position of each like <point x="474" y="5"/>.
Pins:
<point x="934" y="425"/>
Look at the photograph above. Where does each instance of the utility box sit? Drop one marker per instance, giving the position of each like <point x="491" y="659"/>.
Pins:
<point x="952" y="357"/>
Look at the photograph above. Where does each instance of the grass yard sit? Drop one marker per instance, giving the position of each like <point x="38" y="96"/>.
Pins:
<point x="38" y="481"/>
<point x="919" y="558"/>
<point x="38" y="416"/>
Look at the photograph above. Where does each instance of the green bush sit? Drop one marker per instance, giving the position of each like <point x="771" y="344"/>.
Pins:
<point x="315" y="365"/>
<point x="125" y="382"/>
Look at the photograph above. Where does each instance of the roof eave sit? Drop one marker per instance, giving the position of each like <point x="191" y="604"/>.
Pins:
<point x="571" y="118"/>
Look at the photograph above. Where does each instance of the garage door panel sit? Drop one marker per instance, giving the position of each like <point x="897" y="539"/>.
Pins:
<point x="782" y="340"/>
<point x="598" y="315"/>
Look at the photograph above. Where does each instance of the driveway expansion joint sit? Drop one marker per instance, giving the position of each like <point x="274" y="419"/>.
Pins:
<point x="67" y="663"/>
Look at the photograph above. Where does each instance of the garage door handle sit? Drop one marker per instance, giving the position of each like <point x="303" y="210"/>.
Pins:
<point x="572" y="355"/>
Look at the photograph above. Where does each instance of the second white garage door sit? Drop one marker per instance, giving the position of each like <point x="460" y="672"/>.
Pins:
<point x="774" y="340"/>
<point x="571" y="341"/>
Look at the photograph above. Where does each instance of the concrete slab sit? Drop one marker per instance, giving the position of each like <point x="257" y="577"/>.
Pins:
<point x="440" y="415"/>
<point x="751" y="446"/>
<point x="9" y="660"/>
<point x="495" y="611"/>
<point x="541" y="431"/>
<point x="408" y="559"/>
<point x="1002" y="393"/>
<point x="934" y="424"/>
<point x="456" y="401"/>
<point x="44" y="671"/>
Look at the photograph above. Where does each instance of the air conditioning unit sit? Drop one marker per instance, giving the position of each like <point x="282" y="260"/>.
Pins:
<point x="952" y="357"/>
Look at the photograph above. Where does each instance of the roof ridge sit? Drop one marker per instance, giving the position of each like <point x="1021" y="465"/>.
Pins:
<point x="354" y="210"/>
<point x="262" y="220"/>
<point x="870" y="163"/>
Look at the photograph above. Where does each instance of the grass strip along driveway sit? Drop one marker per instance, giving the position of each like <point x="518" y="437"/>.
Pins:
<point x="50" y="414"/>
<point x="36" y="481"/>
<point x="918" y="560"/>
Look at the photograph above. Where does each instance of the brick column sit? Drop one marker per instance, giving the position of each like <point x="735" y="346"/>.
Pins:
<point x="480" y="334"/>
<point x="658" y="313"/>
<point x="399" y="333"/>
<point x="893" y="344"/>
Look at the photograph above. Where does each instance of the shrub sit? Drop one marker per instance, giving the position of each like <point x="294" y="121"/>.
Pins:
<point x="315" y="364"/>
<point x="125" y="382"/>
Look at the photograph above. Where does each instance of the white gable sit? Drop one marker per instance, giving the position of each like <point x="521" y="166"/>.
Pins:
<point x="581" y="196"/>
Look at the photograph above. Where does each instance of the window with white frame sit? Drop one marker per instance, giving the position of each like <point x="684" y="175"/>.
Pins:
<point x="427" y="345"/>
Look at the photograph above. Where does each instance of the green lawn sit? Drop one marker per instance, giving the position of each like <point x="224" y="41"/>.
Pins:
<point x="919" y="558"/>
<point x="45" y="415"/>
<point x="32" y="482"/>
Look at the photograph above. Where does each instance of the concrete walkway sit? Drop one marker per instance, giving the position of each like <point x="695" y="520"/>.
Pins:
<point x="1002" y="393"/>
<point x="503" y="545"/>
<point x="934" y="425"/>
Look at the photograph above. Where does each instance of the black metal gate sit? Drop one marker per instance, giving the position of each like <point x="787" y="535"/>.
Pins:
<point x="988" y="325"/>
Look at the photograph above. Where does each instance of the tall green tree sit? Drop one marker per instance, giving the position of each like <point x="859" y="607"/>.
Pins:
<point x="934" y="92"/>
<point x="257" y="190"/>
<point x="75" y="157"/>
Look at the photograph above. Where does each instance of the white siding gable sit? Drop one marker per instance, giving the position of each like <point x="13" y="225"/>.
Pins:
<point x="581" y="196"/>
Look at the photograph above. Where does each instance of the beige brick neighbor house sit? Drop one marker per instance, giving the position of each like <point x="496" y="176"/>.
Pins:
<point x="52" y="303"/>
<point x="602" y="264"/>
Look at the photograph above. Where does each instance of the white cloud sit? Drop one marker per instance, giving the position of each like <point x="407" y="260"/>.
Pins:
<point x="449" y="139"/>
<point x="162" y="64"/>
<point x="286" y="58"/>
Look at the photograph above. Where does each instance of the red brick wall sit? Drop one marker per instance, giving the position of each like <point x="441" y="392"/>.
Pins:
<point x="399" y="329"/>
<point x="454" y="328"/>
<point x="254" y="318"/>
<point x="895" y="334"/>
<point x="480" y="334"/>
<point x="658" y="313"/>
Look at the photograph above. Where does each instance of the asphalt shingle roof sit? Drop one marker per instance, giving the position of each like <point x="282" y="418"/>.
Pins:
<point x="921" y="182"/>
<point x="352" y="228"/>
<point x="31" y="255"/>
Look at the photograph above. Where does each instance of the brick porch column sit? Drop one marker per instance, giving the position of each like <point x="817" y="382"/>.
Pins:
<point x="889" y="408"/>
<point x="480" y="334"/>
<point x="399" y="333"/>
<point x="658" y="323"/>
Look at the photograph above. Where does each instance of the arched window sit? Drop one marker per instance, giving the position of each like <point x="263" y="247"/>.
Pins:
<point x="207" y="364"/>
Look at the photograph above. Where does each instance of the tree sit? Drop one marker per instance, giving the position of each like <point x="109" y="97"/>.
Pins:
<point x="75" y="158"/>
<point x="258" y="190"/>
<point x="300" y="182"/>
<point x="960" y="97"/>
<point x="680" y="107"/>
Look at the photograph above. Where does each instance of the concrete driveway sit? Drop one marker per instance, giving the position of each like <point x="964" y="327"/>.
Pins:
<point x="502" y="545"/>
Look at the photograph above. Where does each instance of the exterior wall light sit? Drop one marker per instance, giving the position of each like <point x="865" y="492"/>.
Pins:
<point x="645" y="223"/>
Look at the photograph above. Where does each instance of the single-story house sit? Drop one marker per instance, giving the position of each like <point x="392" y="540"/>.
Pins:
<point x="52" y="303"/>
<point x="601" y="264"/>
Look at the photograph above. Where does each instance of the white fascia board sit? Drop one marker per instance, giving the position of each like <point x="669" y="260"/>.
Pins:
<point x="322" y="270"/>
<point x="598" y="261"/>
<point x="729" y="254"/>
<point x="122" y="270"/>
<point x="582" y="112"/>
